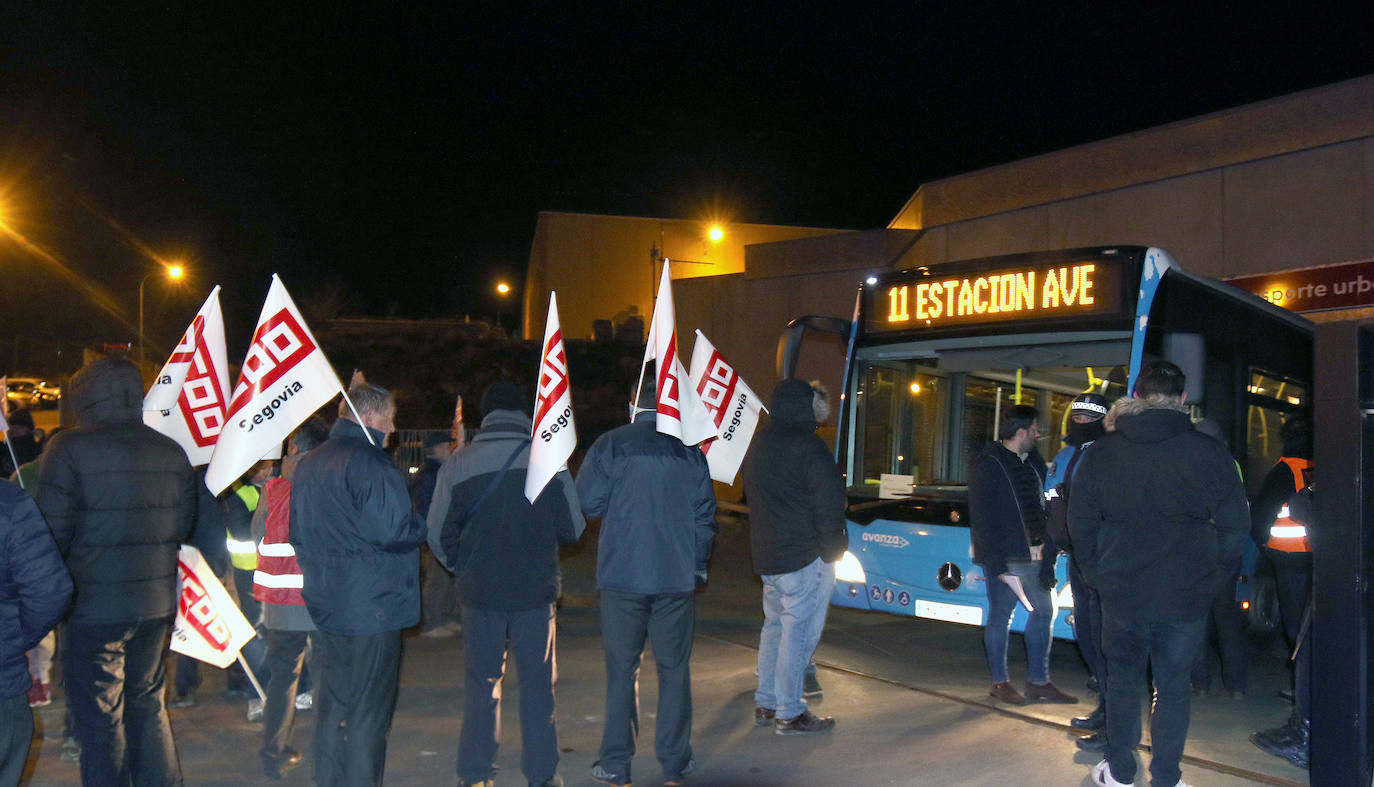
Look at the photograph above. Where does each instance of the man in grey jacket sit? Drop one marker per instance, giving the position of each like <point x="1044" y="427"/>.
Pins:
<point x="503" y="552"/>
<point x="657" y="509"/>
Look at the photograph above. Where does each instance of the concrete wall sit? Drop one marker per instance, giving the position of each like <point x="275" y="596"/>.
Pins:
<point x="602" y="265"/>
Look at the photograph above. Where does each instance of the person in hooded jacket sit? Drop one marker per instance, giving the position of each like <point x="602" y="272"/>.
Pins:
<point x="34" y="590"/>
<point x="119" y="498"/>
<point x="1158" y="516"/>
<point x="796" y="532"/>
<point x="358" y="545"/>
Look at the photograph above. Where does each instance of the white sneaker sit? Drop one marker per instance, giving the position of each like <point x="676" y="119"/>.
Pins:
<point x="255" y="710"/>
<point x="305" y="700"/>
<point x="1102" y="775"/>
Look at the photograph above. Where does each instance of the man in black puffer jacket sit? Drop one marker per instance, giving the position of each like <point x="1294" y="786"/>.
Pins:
<point x="1158" y="517"/>
<point x="34" y="591"/>
<point x="119" y="498"/>
<point x="796" y="533"/>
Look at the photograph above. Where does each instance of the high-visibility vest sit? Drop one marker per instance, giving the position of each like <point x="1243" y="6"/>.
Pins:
<point x="278" y="579"/>
<point x="1288" y="534"/>
<point x="242" y="553"/>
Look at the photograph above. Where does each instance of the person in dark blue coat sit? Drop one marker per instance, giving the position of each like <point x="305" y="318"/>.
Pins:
<point x="358" y="544"/>
<point x="657" y="509"/>
<point x="34" y="591"/>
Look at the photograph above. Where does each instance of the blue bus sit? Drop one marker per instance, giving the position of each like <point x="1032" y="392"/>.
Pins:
<point x="934" y="354"/>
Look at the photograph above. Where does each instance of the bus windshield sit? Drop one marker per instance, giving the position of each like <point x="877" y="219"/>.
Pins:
<point x="915" y="420"/>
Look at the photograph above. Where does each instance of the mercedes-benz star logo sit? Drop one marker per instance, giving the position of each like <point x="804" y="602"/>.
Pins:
<point x="950" y="577"/>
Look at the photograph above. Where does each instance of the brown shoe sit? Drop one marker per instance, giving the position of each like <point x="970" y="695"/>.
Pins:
<point x="1048" y="692"/>
<point x="763" y="716"/>
<point x="1005" y="692"/>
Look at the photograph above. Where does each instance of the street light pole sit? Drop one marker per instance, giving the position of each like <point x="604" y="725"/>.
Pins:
<point x="173" y="272"/>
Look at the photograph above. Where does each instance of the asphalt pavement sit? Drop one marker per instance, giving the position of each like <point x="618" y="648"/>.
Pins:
<point x="909" y="697"/>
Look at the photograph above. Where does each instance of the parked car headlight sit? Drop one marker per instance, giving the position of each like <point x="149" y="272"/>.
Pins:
<point x="849" y="570"/>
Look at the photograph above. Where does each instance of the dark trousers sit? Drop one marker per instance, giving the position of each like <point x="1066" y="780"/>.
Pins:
<point x="115" y="674"/>
<point x="1087" y="625"/>
<point x="285" y="656"/>
<point x="1293" y="581"/>
<point x="16" y="732"/>
<point x="1170" y="649"/>
<point x="255" y="650"/>
<point x="1226" y="628"/>
<point x="667" y="619"/>
<point x="355" y="695"/>
<point x="529" y="637"/>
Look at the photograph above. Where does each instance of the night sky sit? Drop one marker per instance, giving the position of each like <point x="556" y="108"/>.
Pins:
<point x="392" y="162"/>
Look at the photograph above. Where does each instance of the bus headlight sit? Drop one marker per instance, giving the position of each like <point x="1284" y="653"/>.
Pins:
<point x="849" y="570"/>
<point x="1066" y="596"/>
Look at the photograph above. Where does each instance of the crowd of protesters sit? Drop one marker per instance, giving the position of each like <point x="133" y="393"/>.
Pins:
<point x="1150" y="511"/>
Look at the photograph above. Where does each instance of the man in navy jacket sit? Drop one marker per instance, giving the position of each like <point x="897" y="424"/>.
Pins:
<point x="657" y="509"/>
<point x="34" y="590"/>
<point x="358" y="545"/>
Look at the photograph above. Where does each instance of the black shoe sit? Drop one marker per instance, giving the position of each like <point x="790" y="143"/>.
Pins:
<point x="1291" y="741"/>
<point x="186" y="700"/>
<point x="1005" y="692"/>
<point x="763" y="716"/>
<point x="1093" y="722"/>
<point x="804" y="724"/>
<point x="277" y="766"/>
<point x="810" y="686"/>
<point x="1095" y="742"/>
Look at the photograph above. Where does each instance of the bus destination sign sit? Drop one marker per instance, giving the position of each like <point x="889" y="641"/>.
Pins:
<point x="923" y="298"/>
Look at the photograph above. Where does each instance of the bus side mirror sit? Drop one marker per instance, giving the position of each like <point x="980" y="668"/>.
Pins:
<point x="1188" y="351"/>
<point x="790" y="343"/>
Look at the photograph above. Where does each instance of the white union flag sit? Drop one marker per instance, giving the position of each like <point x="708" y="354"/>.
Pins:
<point x="187" y="399"/>
<point x="554" y="437"/>
<point x="733" y="405"/>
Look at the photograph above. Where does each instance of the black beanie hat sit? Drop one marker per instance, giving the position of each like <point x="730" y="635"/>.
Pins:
<point x="502" y="396"/>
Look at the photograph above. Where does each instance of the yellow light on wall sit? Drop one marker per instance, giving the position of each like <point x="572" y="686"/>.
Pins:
<point x="915" y="388"/>
<point x="716" y="233"/>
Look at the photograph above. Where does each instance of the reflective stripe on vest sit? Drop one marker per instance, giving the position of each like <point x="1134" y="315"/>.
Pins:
<point x="1286" y="534"/>
<point x="278" y="579"/>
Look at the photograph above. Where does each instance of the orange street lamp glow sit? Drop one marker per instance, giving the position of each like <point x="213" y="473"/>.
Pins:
<point x="715" y="234"/>
<point x="503" y="288"/>
<point x="175" y="272"/>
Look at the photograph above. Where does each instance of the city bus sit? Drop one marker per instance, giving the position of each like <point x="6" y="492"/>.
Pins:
<point x="935" y="353"/>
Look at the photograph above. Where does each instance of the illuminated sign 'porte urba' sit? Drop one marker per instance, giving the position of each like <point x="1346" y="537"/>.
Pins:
<point x="925" y="298"/>
<point x="1345" y="285"/>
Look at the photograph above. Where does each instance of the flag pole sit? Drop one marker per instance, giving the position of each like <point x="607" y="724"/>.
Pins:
<point x="10" y="445"/>
<point x="247" y="670"/>
<point x="359" y="418"/>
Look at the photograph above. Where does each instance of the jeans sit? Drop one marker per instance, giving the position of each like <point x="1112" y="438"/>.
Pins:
<point x="529" y="636"/>
<point x="794" y="607"/>
<point x="668" y="620"/>
<point x="1002" y="603"/>
<point x="1170" y="649"/>
<point x="115" y="674"/>
<point x="355" y="697"/>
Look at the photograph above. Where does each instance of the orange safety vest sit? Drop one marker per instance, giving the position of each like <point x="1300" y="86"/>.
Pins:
<point x="1288" y="534"/>
<point x="278" y="578"/>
